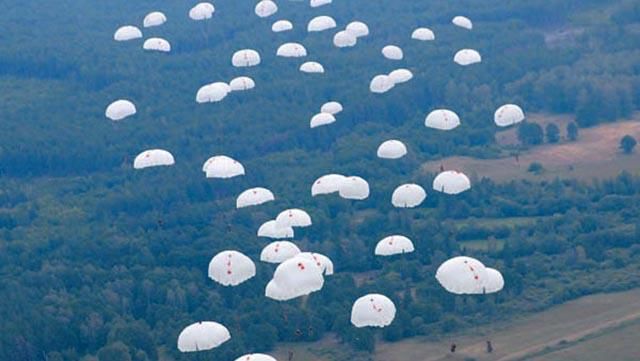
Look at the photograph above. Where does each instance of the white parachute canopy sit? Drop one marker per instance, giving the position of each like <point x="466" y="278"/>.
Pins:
<point x="231" y="268"/>
<point x="291" y="50"/>
<point x="442" y="119"/>
<point x="495" y="282"/>
<point x="153" y="158"/>
<point x="451" y="182"/>
<point x="381" y="84"/>
<point x="242" y="83"/>
<point x="266" y="8"/>
<point x="392" y="52"/>
<point x="462" y="276"/>
<point x="423" y="34"/>
<point x="311" y="67"/>
<point x="321" y="23"/>
<point x="344" y="39"/>
<point x="321" y="119"/>
<point x="270" y="229"/>
<point x="357" y="29"/>
<point x="256" y="357"/>
<point x="281" y="25"/>
<point x="293" y="217"/>
<point x="354" y="188"/>
<point x="279" y="251"/>
<point x="245" y="58"/>
<point x="254" y="197"/>
<point x="202" y="11"/>
<point x="212" y="93"/>
<point x="157" y="44"/>
<point x="322" y="261"/>
<point x="408" y="196"/>
<point x="155" y="18"/>
<point x="392" y="149"/>
<point x="327" y="184"/>
<point x="120" y="109"/>
<point x="393" y="245"/>
<point x="331" y="107"/>
<point x="508" y="114"/>
<point x="202" y="336"/>
<point x="127" y="32"/>
<point x="293" y="278"/>
<point x="318" y="3"/>
<point x="467" y="57"/>
<point x="399" y="76"/>
<point x="221" y="166"/>
<point x="373" y="310"/>
<point x="462" y="22"/>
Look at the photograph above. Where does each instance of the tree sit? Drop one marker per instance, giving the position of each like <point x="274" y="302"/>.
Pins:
<point x="572" y="131"/>
<point x="627" y="143"/>
<point x="114" y="352"/>
<point x="530" y="133"/>
<point x="553" y="133"/>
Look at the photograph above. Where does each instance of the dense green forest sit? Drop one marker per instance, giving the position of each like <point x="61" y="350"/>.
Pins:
<point x="99" y="260"/>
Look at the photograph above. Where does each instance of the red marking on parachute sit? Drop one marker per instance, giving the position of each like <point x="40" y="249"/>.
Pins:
<point x="228" y="272"/>
<point x="301" y="266"/>
<point x="476" y="277"/>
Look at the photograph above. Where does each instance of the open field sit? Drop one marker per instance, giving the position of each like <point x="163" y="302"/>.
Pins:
<point x="595" y="319"/>
<point x="594" y="155"/>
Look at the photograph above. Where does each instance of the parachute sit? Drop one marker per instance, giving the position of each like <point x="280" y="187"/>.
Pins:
<point x="322" y="261"/>
<point x="279" y="251"/>
<point x="462" y="22"/>
<point x="245" y="58"/>
<point x="127" y="32"/>
<point x="344" y="39"/>
<point x="423" y="34"/>
<point x="202" y="336"/>
<point x="155" y="18"/>
<point x="231" y="268"/>
<point x="312" y="67"/>
<point x="451" y="182"/>
<point x="281" y="25"/>
<point x="442" y="119"/>
<point x="212" y="93"/>
<point x="153" y="158"/>
<point x="318" y="3"/>
<point x="291" y="50"/>
<point x="399" y="76"/>
<point x="392" y="149"/>
<point x="373" y="310"/>
<point x="494" y="282"/>
<point x="270" y="229"/>
<point x="321" y="119"/>
<point x="254" y="197"/>
<point x="408" y="196"/>
<point x="202" y="11"/>
<point x="293" y="218"/>
<point x="293" y="278"/>
<point x="467" y="57"/>
<point x="327" y="184"/>
<point x="508" y="114"/>
<point x="354" y="188"/>
<point x="381" y="84"/>
<point x="221" y="166"/>
<point x="321" y="23"/>
<point x="241" y="83"/>
<point x="393" y="245"/>
<point x="120" y="109"/>
<point x="392" y="52"/>
<point x="256" y="357"/>
<point x="332" y="108"/>
<point x="462" y="275"/>
<point x="357" y="29"/>
<point x="157" y="44"/>
<point x="266" y="8"/>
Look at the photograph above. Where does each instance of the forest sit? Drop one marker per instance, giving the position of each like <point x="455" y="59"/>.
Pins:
<point x="101" y="262"/>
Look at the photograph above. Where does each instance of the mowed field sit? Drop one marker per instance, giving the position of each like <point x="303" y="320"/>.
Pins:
<point x="600" y="325"/>
<point x="595" y="154"/>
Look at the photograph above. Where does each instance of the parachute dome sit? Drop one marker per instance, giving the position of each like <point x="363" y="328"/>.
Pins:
<point x="408" y="196"/>
<point x="495" y="282"/>
<point x="357" y="29"/>
<point x="157" y="44"/>
<point x="279" y="251"/>
<point x="321" y="23"/>
<point x="322" y="261"/>
<point x="392" y="149"/>
<point x="344" y="39"/>
<point x="155" y="18"/>
<point x="153" y="158"/>
<point x="120" y="109"/>
<point x="241" y="83"/>
<point x="399" y="76"/>
<point x="373" y="310"/>
<point x="466" y="57"/>
<point x="293" y="278"/>
<point x="281" y="25"/>
<point x="256" y="357"/>
<point x="451" y="182"/>
<point x="392" y="52"/>
<point x="462" y="22"/>
<point x="212" y="93"/>
<point x="462" y="275"/>
<point x="508" y="114"/>
<point x="202" y="11"/>
<point x="354" y="188"/>
<point x="221" y="166"/>
<point x="270" y="229"/>
<point x="381" y="84"/>
<point x="394" y="245"/>
<point x="423" y="34"/>
<point x="442" y="119"/>
<point x="266" y="8"/>
<point x="332" y="108"/>
<point x="318" y="3"/>
<point x="254" y="197"/>
<point x="231" y="268"/>
<point x="291" y="50"/>
<point x="293" y="218"/>
<point x="245" y="58"/>
<point x="127" y="32"/>
<point x="327" y="184"/>
<point x="321" y="119"/>
<point x="202" y="336"/>
<point x="312" y="67"/>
